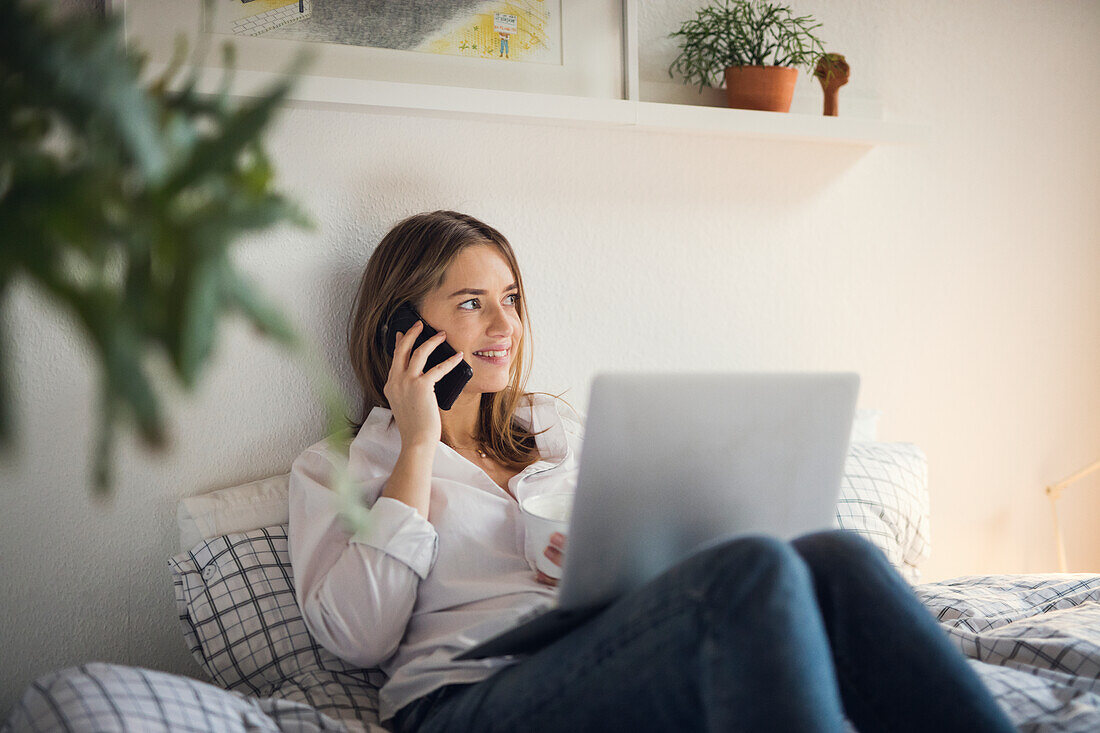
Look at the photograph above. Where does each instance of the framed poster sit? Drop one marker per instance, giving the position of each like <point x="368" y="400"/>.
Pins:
<point x="570" y="47"/>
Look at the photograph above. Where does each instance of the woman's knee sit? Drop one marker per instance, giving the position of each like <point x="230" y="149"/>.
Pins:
<point x="751" y="566"/>
<point x="839" y="549"/>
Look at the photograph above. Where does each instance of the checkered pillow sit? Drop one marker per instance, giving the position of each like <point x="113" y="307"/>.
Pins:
<point x="114" y="698"/>
<point x="884" y="498"/>
<point x="235" y="596"/>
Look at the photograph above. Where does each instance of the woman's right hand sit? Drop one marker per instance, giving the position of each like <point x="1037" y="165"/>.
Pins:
<point x="555" y="553"/>
<point x="411" y="391"/>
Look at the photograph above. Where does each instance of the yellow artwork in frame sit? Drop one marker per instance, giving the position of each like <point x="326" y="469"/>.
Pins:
<point x="353" y="44"/>
<point x="507" y="30"/>
<point x="257" y="17"/>
<point x="521" y="30"/>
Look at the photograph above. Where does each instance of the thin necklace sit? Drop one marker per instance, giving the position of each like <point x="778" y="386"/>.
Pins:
<point x="479" y="451"/>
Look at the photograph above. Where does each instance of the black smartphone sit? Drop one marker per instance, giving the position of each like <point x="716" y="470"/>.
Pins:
<point x="446" y="389"/>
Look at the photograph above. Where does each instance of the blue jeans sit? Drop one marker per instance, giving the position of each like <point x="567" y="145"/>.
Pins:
<point x="754" y="634"/>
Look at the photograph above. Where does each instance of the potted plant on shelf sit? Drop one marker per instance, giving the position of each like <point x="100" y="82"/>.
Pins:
<point x="755" y="46"/>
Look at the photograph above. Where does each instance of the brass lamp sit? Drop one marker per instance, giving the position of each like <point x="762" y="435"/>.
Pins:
<point x="1054" y="491"/>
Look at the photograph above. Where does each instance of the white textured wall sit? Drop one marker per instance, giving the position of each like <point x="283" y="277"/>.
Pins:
<point x="959" y="277"/>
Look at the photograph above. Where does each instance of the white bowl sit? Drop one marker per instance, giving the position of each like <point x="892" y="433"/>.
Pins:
<point x="542" y="516"/>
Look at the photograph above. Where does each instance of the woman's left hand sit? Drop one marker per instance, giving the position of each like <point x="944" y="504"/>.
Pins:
<point x="555" y="552"/>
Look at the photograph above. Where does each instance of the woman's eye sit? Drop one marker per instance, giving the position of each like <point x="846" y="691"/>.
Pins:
<point x="515" y="300"/>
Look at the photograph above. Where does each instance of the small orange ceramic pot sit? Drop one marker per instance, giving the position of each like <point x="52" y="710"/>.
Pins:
<point x="767" y="88"/>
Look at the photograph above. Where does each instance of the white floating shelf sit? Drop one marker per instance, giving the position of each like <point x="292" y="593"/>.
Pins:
<point x="556" y="109"/>
<point x="493" y="104"/>
<point x="775" y="125"/>
<point x="471" y="103"/>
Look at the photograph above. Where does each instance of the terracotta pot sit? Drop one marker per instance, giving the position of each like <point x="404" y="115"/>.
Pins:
<point x="768" y="88"/>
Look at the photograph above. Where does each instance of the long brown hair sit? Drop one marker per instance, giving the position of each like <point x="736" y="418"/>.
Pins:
<point x="411" y="261"/>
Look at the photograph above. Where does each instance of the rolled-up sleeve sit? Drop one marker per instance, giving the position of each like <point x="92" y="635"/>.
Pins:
<point x="398" y="530"/>
<point x="356" y="592"/>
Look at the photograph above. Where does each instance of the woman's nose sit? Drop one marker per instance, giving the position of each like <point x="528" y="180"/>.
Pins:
<point x="501" y="325"/>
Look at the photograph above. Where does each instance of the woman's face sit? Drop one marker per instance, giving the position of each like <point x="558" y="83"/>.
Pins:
<point x="478" y="307"/>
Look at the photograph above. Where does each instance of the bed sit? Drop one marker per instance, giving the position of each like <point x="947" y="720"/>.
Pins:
<point x="1034" y="639"/>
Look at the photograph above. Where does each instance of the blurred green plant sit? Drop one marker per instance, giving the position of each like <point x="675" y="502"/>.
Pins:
<point x="743" y="33"/>
<point x="122" y="201"/>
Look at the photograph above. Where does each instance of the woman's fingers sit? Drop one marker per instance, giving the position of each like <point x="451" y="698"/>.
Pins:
<point x="440" y="370"/>
<point x="406" y="340"/>
<point x="410" y="331"/>
<point x="554" y="555"/>
<point x="546" y="579"/>
<point x="403" y="345"/>
<point x="420" y="356"/>
<point x="555" y="551"/>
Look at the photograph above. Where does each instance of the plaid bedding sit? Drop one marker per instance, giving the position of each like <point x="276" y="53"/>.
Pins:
<point x="1034" y="639"/>
<point x="112" y="698"/>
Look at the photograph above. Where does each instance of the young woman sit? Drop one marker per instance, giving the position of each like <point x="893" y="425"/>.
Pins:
<point x="754" y="634"/>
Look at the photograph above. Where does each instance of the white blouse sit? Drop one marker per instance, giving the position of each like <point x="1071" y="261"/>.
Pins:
<point x="407" y="594"/>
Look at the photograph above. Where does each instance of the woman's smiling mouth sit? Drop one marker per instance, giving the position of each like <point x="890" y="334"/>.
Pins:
<point x="494" y="356"/>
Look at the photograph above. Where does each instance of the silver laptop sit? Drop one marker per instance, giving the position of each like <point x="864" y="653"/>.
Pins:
<point x="674" y="463"/>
